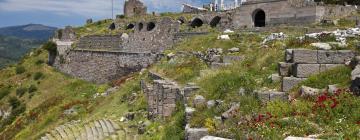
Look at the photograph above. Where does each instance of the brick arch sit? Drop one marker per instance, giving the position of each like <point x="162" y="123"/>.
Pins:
<point x="150" y="26"/>
<point x="130" y="26"/>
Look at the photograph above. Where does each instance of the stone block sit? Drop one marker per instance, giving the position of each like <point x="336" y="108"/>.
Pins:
<point x="285" y="68"/>
<point x="305" y="70"/>
<point x="278" y="96"/>
<point x="325" y="67"/>
<point x="288" y="55"/>
<point x="304" y="56"/>
<point x="335" y="57"/>
<point x="195" y="133"/>
<point x="230" y="59"/>
<point x="289" y="82"/>
<point x="275" y="78"/>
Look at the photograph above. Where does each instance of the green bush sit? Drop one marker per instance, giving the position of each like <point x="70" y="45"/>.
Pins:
<point x="39" y="62"/>
<point x="38" y="75"/>
<point x="20" y="69"/>
<point x="21" y="91"/>
<point x="50" y="46"/>
<point x="4" y="92"/>
<point x="32" y="89"/>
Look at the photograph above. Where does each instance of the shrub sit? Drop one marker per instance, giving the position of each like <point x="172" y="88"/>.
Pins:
<point x="32" y="89"/>
<point x="4" y="92"/>
<point x="50" y="46"/>
<point x="38" y="75"/>
<point x="21" y="91"/>
<point x="14" y="102"/>
<point x="20" y="69"/>
<point x="39" y="62"/>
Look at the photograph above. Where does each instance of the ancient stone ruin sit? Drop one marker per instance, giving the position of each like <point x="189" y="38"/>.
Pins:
<point x="302" y="63"/>
<point x="134" y="8"/>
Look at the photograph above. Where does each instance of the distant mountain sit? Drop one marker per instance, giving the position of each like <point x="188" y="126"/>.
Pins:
<point x="30" y="31"/>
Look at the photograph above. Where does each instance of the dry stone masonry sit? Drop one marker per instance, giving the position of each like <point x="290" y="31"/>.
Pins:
<point x="302" y="63"/>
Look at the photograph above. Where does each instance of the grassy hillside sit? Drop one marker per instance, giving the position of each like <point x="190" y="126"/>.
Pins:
<point x="39" y="94"/>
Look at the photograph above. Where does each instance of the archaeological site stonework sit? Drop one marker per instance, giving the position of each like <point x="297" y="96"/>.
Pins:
<point x="134" y="8"/>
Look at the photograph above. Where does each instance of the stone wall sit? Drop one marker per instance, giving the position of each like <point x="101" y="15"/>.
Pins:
<point x="301" y="63"/>
<point x="154" y="36"/>
<point x="276" y="12"/>
<point x="103" y="66"/>
<point x="112" y="42"/>
<point x="134" y="8"/>
<point x="162" y="97"/>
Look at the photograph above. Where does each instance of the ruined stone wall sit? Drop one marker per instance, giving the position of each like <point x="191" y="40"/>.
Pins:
<point x="103" y="66"/>
<point x="337" y="11"/>
<point x="301" y="63"/>
<point x="112" y="42"/>
<point x="277" y="12"/>
<point x="134" y="8"/>
<point x="156" y="39"/>
<point x="162" y="98"/>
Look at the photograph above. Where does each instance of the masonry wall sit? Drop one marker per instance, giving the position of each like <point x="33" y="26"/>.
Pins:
<point x="103" y="66"/>
<point x="100" y="42"/>
<point x="277" y="12"/>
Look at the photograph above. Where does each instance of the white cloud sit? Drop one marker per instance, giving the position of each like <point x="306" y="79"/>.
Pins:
<point x="85" y="8"/>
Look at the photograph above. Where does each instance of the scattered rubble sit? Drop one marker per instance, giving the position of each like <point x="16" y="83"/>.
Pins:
<point x="223" y="37"/>
<point x="310" y="92"/>
<point x="321" y="46"/>
<point x="274" y="36"/>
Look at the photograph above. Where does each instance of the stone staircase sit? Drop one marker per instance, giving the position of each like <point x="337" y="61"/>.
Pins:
<point x="96" y="130"/>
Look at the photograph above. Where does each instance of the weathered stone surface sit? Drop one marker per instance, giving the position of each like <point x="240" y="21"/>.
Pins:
<point x="266" y="96"/>
<point x="335" y="57"/>
<point x="134" y="8"/>
<point x="275" y="78"/>
<point x="309" y="92"/>
<point x="213" y="138"/>
<point x="322" y="46"/>
<point x="195" y="133"/>
<point x="199" y="101"/>
<point x="304" y="56"/>
<point x="210" y="103"/>
<point x="232" y="50"/>
<point x="188" y="113"/>
<point x="231" y="112"/>
<point x="288" y="55"/>
<point x="189" y="90"/>
<point x="285" y="68"/>
<point x="305" y="70"/>
<point x="289" y="82"/>
<point x="332" y="89"/>
<point x="355" y="73"/>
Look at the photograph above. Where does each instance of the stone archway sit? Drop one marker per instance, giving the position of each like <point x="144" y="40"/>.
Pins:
<point x="150" y="26"/>
<point x="215" y="21"/>
<point x="259" y="18"/>
<point x="130" y="26"/>
<point x="197" y="22"/>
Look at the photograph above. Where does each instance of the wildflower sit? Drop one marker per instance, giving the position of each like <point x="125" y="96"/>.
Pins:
<point x="322" y="98"/>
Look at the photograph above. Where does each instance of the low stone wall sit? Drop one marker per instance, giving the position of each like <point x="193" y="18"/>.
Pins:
<point x="302" y="63"/>
<point x="103" y="66"/>
<point x="100" y="42"/>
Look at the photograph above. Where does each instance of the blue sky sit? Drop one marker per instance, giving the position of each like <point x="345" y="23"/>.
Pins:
<point x="60" y="13"/>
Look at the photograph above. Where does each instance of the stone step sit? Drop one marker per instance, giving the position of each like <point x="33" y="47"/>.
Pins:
<point x="61" y="131"/>
<point x="115" y="125"/>
<point x="69" y="132"/>
<point x="49" y="136"/>
<point x="89" y="134"/>
<point x="99" y="129"/>
<point x="55" y="134"/>
<point x="104" y="128"/>
<point x="44" y="138"/>
<point x="94" y="132"/>
<point x="82" y="135"/>
<point x="74" y="130"/>
<point x="109" y="126"/>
